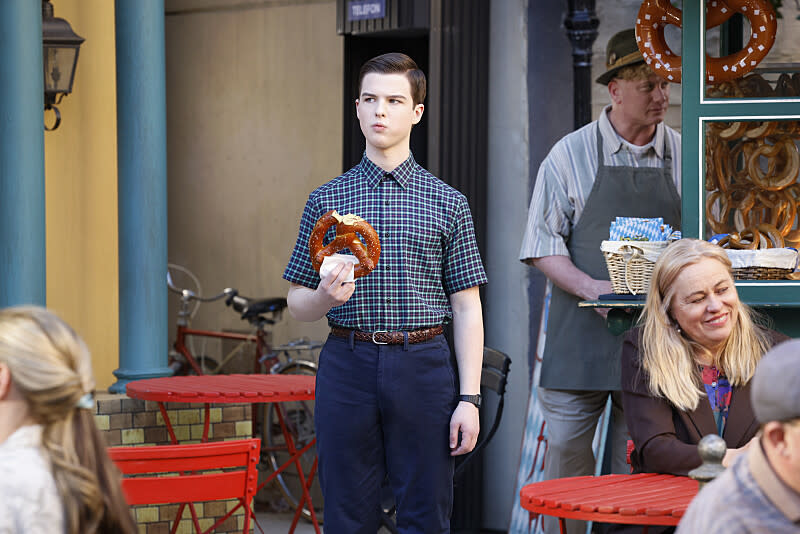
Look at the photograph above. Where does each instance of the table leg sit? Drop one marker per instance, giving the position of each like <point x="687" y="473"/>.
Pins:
<point x="174" y="440"/>
<point x="296" y="457"/>
<point x="168" y="423"/>
<point x="206" y="422"/>
<point x="302" y="501"/>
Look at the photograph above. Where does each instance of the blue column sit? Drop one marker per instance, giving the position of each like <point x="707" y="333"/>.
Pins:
<point x="22" y="208"/>
<point x="142" y="162"/>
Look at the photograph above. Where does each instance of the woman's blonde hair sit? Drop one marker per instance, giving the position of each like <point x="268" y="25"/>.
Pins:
<point x="668" y="355"/>
<point x="50" y="366"/>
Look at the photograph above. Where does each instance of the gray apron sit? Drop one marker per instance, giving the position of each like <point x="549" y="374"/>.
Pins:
<point x="580" y="353"/>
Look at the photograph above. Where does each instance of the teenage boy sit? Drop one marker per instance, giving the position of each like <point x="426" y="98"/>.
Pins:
<point x="388" y="401"/>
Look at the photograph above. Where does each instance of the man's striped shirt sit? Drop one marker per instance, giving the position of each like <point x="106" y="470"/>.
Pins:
<point x="567" y="175"/>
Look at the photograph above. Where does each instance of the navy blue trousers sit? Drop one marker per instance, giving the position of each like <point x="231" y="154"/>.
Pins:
<point x="385" y="409"/>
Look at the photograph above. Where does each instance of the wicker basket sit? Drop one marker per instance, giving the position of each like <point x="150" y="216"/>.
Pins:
<point x="630" y="264"/>
<point x="764" y="264"/>
<point x="761" y="273"/>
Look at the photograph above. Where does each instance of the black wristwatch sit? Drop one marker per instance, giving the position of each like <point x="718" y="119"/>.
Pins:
<point x="474" y="399"/>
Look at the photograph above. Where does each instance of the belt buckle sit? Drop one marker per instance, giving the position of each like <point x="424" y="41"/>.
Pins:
<point x="379" y="342"/>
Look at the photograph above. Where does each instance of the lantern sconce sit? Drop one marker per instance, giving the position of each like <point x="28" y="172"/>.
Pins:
<point x="60" y="57"/>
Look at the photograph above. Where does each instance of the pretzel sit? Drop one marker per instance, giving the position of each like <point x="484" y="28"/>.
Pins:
<point x="347" y="226"/>
<point x="770" y="232"/>
<point x="764" y="129"/>
<point x="772" y="179"/>
<point x="654" y="15"/>
<point x="718" y="224"/>
<point x="734" y="131"/>
<point x="747" y="239"/>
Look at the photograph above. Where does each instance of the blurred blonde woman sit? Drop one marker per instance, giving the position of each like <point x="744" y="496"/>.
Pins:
<point x="686" y="369"/>
<point x="55" y="475"/>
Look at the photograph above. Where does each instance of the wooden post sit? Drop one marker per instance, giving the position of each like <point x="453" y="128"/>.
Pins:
<point x="712" y="450"/>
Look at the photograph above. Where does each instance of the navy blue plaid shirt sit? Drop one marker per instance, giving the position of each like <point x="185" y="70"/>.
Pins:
<point x="428" y="248"/>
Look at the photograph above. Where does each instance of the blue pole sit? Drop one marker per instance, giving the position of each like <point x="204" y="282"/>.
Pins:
<point x="22" y="209"/>
<point x="142" y="168"/>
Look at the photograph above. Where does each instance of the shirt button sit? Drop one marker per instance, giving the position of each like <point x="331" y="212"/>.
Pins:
<point x="388" y="300"/>
<point x="713" y="384"/>
<point x="386" y="202"/>
<point x="388" y="267"/>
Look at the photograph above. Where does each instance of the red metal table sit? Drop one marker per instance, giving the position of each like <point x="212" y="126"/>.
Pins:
<point x="233" y="389"/>
<point x="642" y="499"/>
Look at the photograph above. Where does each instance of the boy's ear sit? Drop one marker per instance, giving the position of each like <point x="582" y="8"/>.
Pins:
<point x="419" y="109"/>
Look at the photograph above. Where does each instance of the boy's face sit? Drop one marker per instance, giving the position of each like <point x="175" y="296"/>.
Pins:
<point x="386" y="110"/>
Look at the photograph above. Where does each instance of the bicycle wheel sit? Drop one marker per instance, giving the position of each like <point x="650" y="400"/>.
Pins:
<point x="299" y="418"/>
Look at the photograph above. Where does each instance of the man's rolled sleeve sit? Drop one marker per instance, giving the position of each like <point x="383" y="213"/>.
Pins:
<point x="549" y="216"/>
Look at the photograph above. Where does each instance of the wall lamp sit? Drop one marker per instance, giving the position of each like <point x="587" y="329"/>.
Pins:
<point x="60" y="57"/>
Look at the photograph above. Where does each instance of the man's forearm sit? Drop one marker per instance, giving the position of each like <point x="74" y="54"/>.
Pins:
<point x="468" y="338"/>
<point x="312" y="304"/>
<point x="563" y="273"/>
<point x="304" y="304"/>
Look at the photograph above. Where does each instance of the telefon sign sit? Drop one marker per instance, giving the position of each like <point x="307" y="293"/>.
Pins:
<point x="366" y="9"/>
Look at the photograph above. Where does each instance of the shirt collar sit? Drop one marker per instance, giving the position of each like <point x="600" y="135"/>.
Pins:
<point x="402" y="173"/>
<point x="614" y="142"/>
<point x="784" y="498"/>
<point x="24" y="437"/>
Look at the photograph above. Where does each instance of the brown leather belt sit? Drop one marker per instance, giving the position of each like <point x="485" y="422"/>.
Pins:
<point x="383" y="337"/>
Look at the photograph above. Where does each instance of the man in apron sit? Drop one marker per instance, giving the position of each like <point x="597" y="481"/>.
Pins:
<point x="626" y="163"/>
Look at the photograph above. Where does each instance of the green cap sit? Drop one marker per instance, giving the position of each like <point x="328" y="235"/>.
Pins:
<point x="621" y="51"/>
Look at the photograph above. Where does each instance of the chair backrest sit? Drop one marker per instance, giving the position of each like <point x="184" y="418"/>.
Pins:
<point x="143" y="469"/>
<point x="494" y="377"/>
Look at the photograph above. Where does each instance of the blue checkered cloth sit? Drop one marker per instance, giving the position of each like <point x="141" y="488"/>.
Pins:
<point x="428" y="248"/>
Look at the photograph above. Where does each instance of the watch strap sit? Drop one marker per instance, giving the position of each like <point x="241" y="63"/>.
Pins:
<point x="473" y="399"/>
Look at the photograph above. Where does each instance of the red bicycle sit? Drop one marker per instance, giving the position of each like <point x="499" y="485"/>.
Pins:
<point x="280" y="359"/>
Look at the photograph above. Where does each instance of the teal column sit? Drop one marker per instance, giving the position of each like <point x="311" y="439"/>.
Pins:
<point x="22" y="208"/>
<point x="142" y="167"/>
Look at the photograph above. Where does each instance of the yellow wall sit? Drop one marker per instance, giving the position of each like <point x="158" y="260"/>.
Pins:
<point x="81" y="191"/>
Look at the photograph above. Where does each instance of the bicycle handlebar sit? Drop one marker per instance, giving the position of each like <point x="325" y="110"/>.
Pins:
<point x="189" y="295"/>
<point x="250" y="309"/>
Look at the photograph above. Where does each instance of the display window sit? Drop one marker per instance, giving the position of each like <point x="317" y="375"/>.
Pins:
<point x="740" y="115"/>
<point x="750" y="182"/>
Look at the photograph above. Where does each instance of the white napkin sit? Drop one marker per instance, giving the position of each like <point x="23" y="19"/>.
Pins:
<point x="329" y="263"/>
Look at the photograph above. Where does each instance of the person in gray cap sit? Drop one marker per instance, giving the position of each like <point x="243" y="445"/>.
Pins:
<point x="760" y="492"/>
<point x="626" y="163"/>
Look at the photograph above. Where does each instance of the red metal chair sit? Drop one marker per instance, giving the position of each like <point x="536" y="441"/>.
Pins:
<point x="234" y="475"/>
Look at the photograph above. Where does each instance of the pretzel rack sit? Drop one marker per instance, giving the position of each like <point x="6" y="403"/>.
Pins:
<point x="752" y="167"/>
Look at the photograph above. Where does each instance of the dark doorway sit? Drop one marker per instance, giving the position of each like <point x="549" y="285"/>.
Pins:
<point x="357" y="50"/>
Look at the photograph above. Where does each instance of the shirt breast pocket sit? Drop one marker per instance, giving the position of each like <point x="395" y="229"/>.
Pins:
<point x="424" y="241"/>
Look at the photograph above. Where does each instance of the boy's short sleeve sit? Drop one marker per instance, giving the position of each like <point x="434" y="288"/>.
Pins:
<point x="299" y="270"/>
<point x="462" y="266"/>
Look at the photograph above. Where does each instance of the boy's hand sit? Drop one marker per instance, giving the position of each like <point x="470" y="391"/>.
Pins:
<point x="333" y="289"/>
<point x="465" y="420"/>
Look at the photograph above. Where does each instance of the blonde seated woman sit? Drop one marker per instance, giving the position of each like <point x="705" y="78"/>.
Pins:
<point x="55" y="475"/>
<point x="686" y="369"/>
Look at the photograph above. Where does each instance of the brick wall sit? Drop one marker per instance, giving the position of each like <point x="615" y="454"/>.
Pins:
<point x="132" y="422"/>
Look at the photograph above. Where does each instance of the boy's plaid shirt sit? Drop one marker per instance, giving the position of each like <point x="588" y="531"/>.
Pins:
<point x="428" y="248"/>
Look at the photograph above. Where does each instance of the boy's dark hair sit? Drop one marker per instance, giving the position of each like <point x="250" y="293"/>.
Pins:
<point x="397" y="63"/>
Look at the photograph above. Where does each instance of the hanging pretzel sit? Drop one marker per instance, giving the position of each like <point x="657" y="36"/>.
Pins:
<point x="347" y="228"/>
<point x="783" y="152"/>
<point x="654" y="15"/>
